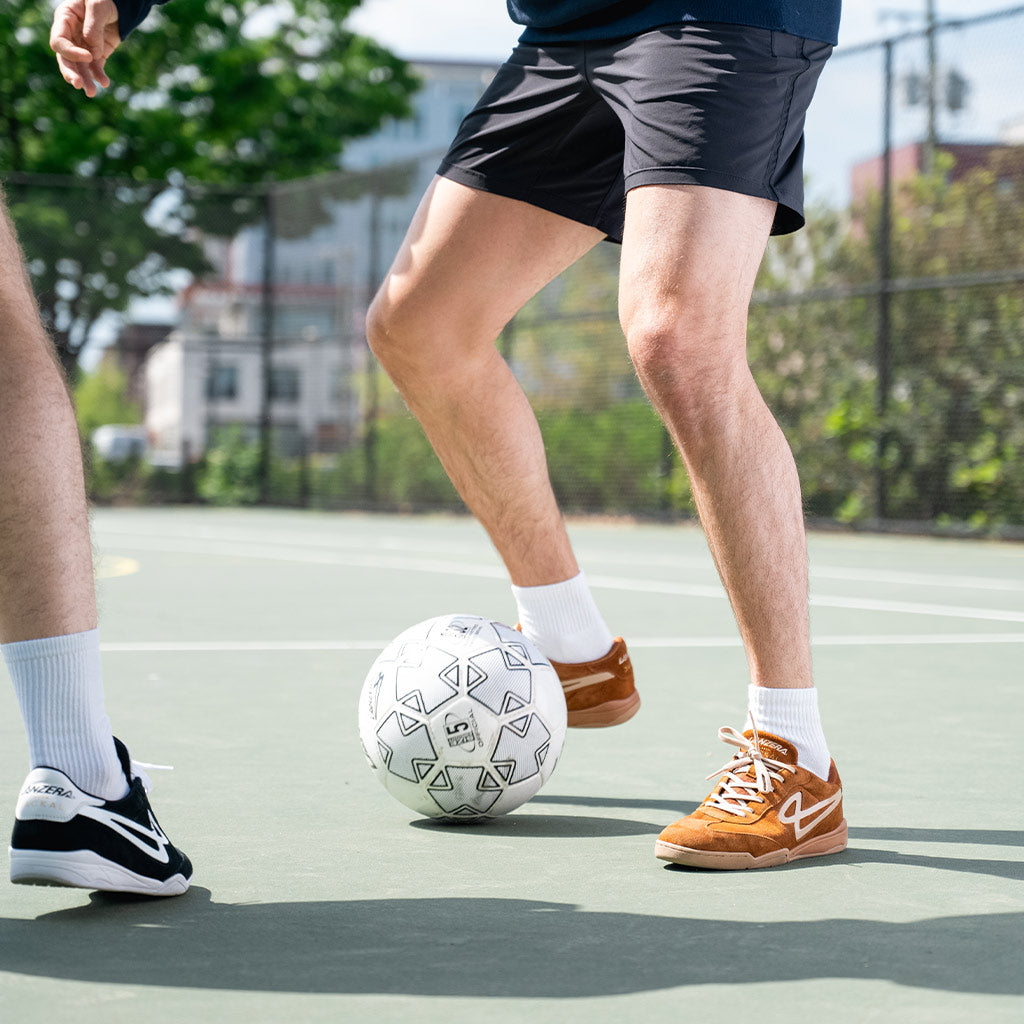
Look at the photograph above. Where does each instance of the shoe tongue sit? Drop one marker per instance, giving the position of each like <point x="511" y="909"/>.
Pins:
<point x="774" y="747"/>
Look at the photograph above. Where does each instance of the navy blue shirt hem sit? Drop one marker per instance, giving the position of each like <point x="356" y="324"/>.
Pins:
<point x="582" y="20"/>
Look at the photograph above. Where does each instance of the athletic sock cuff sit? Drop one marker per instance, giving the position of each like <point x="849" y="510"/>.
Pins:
<point x="792" y="714"/>
<point x="21" y="651"/>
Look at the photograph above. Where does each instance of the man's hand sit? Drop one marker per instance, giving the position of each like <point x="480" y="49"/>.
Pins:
<point x="83" y="36"/>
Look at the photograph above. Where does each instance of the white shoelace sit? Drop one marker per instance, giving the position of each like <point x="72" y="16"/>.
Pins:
<point x="746" y="777"/>
<point x="139" y="769"/>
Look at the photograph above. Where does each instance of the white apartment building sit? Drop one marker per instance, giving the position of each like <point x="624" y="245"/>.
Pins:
<point x="334" y="238"/>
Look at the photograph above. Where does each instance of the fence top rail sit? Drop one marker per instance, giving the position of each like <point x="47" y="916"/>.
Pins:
<point x="978" y="279"/>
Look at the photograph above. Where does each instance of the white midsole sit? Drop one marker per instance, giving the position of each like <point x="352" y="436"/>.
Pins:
<point x="84" y="869"/>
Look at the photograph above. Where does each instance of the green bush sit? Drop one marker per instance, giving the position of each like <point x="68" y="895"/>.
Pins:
<point x="230" y="472"/>
<point x="613" y="460"/>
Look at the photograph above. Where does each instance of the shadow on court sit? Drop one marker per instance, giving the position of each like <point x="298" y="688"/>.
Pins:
<point x="543" y="826"/>
<point x="491" y="948"/>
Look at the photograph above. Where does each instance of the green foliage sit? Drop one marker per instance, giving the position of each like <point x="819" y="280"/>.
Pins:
<point x="108" y="482"/>
<point x="100" y="399"/>
<point x="230" y="473"/>
<point x="133" y="482"/>
<point x="950" y="440"/>
<point x="613" y="460"/>
<point x="408" y="474"/>
<point x="196" y="96"/>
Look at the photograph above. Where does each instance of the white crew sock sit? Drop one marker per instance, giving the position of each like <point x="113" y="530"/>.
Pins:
<point x="563" y="621"/>
<point x="792" y="714"/>
<point x="59" y="686"/>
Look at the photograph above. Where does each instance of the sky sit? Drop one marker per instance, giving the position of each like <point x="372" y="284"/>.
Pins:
<point x="480" y="29"/>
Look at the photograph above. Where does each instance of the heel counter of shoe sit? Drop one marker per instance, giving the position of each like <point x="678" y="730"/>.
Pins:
<point x="49" y="795"/>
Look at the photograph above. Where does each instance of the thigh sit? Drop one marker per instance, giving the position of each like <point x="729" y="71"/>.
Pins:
<point x="471" y="260"/>
<point x="690" y="255"/>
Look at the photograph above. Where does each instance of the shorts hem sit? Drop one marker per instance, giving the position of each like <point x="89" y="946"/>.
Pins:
<point x="788" y="216"/>
<point x="507" y="189"/>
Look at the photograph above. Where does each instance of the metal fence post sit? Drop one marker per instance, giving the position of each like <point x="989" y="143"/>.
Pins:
<point x="371" y="489"/>
<point x="266" y="343"/>
<point x="883" y="338"/>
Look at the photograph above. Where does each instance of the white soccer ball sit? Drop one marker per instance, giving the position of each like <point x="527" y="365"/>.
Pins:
<point x="462" y="718"/>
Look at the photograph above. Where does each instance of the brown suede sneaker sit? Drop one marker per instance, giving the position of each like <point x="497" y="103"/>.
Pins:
<point x="600" y="693"/>
<point x="765" y="810"/>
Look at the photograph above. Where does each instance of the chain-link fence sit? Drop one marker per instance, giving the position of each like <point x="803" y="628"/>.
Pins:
<point x="888" y="336"/>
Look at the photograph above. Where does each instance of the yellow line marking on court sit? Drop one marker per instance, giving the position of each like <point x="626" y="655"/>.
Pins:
<point x="112" y="566"/>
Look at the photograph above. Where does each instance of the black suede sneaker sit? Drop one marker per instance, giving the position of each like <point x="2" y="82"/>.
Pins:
<point x="65" y="836"/>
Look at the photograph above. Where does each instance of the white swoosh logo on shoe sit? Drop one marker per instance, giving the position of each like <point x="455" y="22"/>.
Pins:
<point x="596" y="677"/>
<point x="792" y="812"/>
<point x="150" y="841"/>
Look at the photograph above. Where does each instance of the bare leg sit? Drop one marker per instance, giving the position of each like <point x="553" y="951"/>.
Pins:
<point x="47" y="627"/>
<point x="46" y="572"/>
<point x="468" y="264"/>
<point x="690" y="256"/>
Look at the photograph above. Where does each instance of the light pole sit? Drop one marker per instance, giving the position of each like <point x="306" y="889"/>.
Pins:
<point x="932" y="140"/>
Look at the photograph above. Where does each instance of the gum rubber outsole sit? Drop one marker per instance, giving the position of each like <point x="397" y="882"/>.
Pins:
<point x="820" y="846"/>
<point x="611" y="712"/>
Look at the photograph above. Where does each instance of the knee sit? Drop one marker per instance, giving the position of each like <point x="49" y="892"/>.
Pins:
<point x="422" y="342"/>
<point x="693" y="368"/>
<point x="386" y="332"/>
<point x="396" y="335"/>
<point x="683" y="354"/>
<point x="657" y="348"/>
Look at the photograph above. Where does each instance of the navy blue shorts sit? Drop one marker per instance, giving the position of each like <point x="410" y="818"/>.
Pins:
<point x="573" y="127"/>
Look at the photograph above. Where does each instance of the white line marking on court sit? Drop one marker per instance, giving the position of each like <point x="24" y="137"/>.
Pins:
<point x="834" y="572"/>
<point x="289" y="553"/>
<point x="910" y="608"/>
<point x="817" y="600"/>
<point x="668" y="643"/>
<point x="333" y="545"/>
<point x="238" y="646"/>
<point x="917" y="579"/>
<point x="853" y="640"/>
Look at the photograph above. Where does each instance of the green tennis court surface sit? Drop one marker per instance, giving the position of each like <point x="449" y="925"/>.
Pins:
<point x="236" y="644"/>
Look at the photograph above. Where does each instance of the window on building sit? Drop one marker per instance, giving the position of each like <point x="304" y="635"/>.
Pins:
<point x="222" y="382"/>
<point x="284" y="384"/>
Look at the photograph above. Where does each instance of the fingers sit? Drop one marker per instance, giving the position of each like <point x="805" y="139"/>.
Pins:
<point x="98" y="14"/>
<point x="84" y="34"/>
<point x="67" y="27"/>
<point x="76" y="74"/>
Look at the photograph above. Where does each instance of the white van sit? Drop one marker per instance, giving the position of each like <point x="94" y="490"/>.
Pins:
<point x="116" y="442"/>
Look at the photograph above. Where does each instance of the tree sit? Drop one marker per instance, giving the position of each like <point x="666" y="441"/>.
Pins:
<point x="100" y="399"/>
<point x="811" y="347"/>
<point x="953" y="436"/>
<point x="947" y="440"/>
<point x="198" y="96"/>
